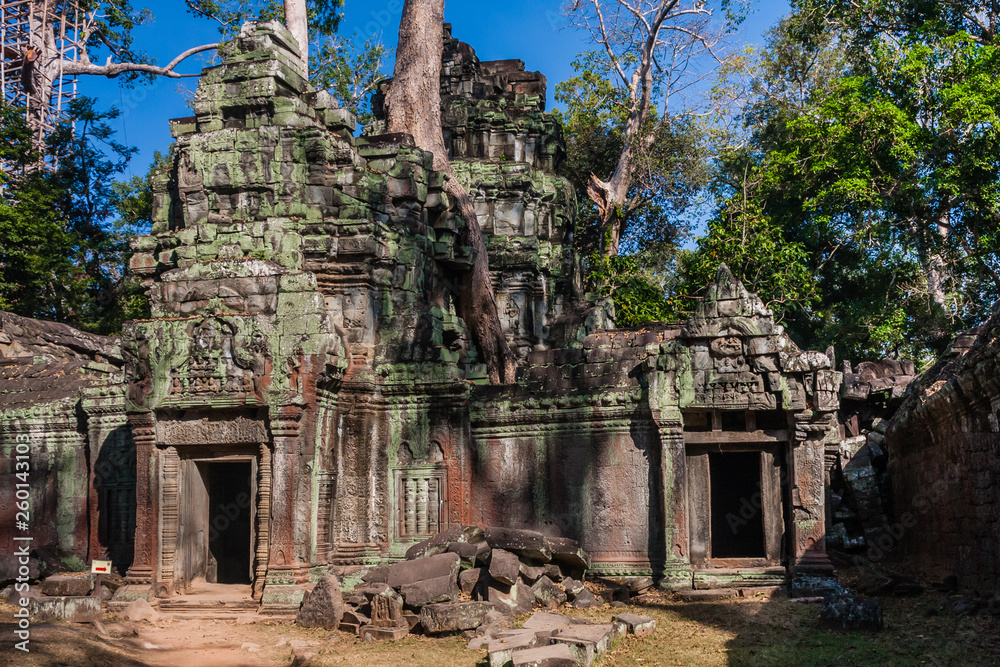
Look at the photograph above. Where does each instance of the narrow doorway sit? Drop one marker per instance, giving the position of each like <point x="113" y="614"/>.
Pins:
<point x="230" y="508"/>
<point x="737" y="516"/>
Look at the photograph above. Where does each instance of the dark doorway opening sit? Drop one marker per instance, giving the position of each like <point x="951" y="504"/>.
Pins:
<point x="230" y="505"/>
<point x="737" y="518"/>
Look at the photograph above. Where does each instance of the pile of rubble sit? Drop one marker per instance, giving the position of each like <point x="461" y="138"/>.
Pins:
<point x="554" y="640"/>
<point x="474" y="580"/>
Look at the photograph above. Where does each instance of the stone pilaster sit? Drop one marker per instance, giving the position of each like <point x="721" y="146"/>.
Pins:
<point x="142" y="574"/>
<point x="677" y="562"/>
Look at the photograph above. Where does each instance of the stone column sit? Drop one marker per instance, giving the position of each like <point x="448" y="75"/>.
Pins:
<point x="284" y="570"/>
<point x="677" y="556"/>
<point x="263" y="520"/>
<point x="808" y="492"/>
<point x="143" y="570"/>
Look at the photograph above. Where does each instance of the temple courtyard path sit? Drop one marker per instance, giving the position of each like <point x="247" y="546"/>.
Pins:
<point x="919" y="631"/>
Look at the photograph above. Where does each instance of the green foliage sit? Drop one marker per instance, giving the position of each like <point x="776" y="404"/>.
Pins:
<point x="876" y="163"/>
<point x="60" y="256"/>
<point x="633" y="286"/>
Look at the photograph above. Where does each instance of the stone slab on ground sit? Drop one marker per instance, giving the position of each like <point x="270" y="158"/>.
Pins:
<point x="693" y="595"/>
<point x="420" y="569"/>
<point x="140" y="610"/>
<point x="556" y="655"/>
<point x="501" y="648"/>
<point x="640" y="626"/>
<point x="76" y="609"/>
<point x="542" y="620"/>
<point x="68" y="585"/>
<point x="588" y="642"/>
<point x="453" y="616"/>
<point x="370" y="633"/>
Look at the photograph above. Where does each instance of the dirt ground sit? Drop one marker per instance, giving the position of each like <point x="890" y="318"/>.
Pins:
<point x="919" y="631"/>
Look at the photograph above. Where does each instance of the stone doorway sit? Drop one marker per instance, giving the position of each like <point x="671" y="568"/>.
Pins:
<point x="736" y="496"/>
<point x="230" y="537"/>
<point x="216" y="536"/>
<point x="736" y="511"/>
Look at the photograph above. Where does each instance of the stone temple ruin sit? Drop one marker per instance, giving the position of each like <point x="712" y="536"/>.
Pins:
<point x="305" y="396"/>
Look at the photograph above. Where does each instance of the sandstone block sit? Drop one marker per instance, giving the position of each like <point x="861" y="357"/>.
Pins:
<point x="68" y="584"/>
<point x="501" y="648"/>
<point x="453" y="616"/>
<point x="504" y="566"/>
<point x="430" y="591"/>
<point x="640" y="626"/>
<point x="370" y="633"/>
<point x="140" y="610"/>
<point x="323" y="607"/>
<point x="469" y="579"/>
<point x="556" y="655"/>
<point x="585" y="599"/>
<point x="67" y="608"/>
<point x="420" y="569"/>
<point x="524" y="542"/>
<point x="547" y="593"/>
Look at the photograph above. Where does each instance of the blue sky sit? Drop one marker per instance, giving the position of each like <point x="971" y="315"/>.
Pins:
<point x="530" y="31"/>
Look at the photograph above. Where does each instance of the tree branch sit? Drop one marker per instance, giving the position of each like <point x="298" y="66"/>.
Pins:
<point x="114" y="69"/>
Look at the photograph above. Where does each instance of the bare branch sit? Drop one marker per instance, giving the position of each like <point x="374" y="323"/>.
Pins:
<point x="114" y="69"/>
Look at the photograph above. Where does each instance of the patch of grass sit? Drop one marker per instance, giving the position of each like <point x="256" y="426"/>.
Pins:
<point x="919" y="631"/>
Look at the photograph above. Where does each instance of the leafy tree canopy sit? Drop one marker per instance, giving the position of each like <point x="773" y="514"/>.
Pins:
<point x="64" y="232"/>
<point x="868" y="179"/>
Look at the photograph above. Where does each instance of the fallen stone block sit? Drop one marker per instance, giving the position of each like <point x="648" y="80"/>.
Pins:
<point x="68" y="585"/>
<point x="68" y="608"/>
<point x="547" y="593"/>
<point x="640" y="626"/>
<point x="430" y="591"/>
<point x="543" y="620"/>
<point x="371" y="633"/>
<point x="353" y="621"/>
<point x="556" y="655"/>
<point x="588" y="642"/>
<point x="323" y="607"/>
<point x="441" y="542"/>
<point x="568" y="552"/>
<point x="410" y="571"/>
<point x="501" y="649"/>
<point x="504" y="566"/>
<point x="453" y="616"/>
<point x="532" y="573"/>
<point x="141" y="610"/>
<point x="846" y="611"/>
<point x="572" y="587"/>
<point x="523" y="542"/>
<point x="585" y="599"/>
<point x="469" y="579"/>
<point x="467" y="552"/>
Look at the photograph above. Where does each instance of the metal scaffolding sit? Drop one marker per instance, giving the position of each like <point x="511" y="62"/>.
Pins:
<point x="36" y="38"/>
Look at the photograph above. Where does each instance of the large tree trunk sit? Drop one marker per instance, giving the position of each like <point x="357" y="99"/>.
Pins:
<point x="297" y="22"/>
<point x="413" y="106"/>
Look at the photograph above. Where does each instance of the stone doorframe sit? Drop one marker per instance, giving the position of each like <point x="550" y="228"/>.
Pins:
<point x="204" y="435"/>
